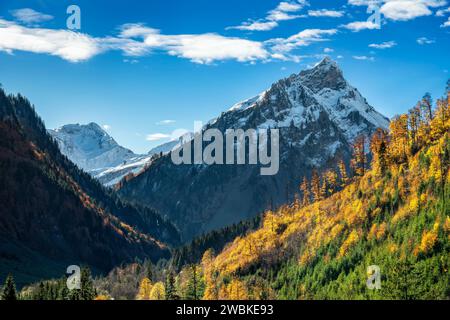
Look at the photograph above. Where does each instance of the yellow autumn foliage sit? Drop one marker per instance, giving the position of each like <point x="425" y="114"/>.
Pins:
<point x="145" y="289"/>
<point x="352" y="238"/>
<point x="157" y="292"/>
<point x="429" y="239"/>
<point x="304" y="230"/>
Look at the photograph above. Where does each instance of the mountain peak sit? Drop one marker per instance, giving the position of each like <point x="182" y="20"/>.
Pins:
<point x="94" y="126"/>
<point x="327" y="61"/>
<point x="89" y="146"/>
<point x="326" y="74"/>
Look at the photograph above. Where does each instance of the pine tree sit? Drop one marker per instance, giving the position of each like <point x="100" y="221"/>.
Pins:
<point x="170" y="286"/>
<point x="150" y="271"/>
<point x="87" y="286"/>
<point x="9" y="289"/>
<point x="193" y="291"/>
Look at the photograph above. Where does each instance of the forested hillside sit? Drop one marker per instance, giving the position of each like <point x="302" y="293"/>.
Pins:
<point x="53" y="214"/>
<point x="392" y="212"/>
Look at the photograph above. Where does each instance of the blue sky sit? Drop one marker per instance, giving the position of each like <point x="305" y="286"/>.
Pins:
<point x="146" y="68"/>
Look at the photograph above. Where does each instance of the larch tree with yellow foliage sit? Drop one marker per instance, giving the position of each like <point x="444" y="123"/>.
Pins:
<point x="145" y="289"/>
<point x="306" y="193"/>
<point x="359" y="160"/>
<point x="378" y="146"/>
<point x="158" y="292"/>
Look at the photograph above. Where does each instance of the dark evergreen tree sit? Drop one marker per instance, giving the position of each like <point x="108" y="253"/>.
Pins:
<point x="192" y="287"/>
<point x="9" y="289"/>
<point x="170" y="287"/>
<point x="87" y="285"/>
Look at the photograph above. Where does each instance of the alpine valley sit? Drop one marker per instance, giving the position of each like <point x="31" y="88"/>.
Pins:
<point x="354" y="189"/>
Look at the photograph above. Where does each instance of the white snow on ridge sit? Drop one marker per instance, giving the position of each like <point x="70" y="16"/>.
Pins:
<point x="340" y="102"/>
<point x="249" y="103"/>
<point x="92" y="149"/>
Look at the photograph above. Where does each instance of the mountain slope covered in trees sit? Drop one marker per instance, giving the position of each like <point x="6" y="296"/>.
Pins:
<point x="53" y="214"/>
<point x="318" y="114"/>
<point x="395" y="216"/>
<point x="392" y="212"/>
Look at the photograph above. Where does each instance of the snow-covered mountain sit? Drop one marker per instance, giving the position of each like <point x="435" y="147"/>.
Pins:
<point x="319" y="115"/>
<point x="92" y="149"/>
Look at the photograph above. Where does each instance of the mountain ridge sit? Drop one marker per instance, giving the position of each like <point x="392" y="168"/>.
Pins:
<point x="312" y="135"/>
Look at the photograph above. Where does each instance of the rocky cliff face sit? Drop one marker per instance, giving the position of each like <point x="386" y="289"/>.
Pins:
<point x="318" y="114"/>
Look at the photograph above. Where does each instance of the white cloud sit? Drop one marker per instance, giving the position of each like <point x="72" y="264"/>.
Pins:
<point x="291" y="6"/>
<point x="446" y="23"/>
<point x="165" y="122"/>
<point x="284" y="11"/>
<point x="402" y="10"/>
<point x="30" y="16"/>
<point x="361" y="25"/>
<point x="137" y="40"/>
<point x="301" y="39"/>
<point x="206" y="48"/>
<point x="362" y="2"/>
<point x="328" y="50"/>
<point x="131" y="61"/>
<point x="157" y="136"/>
<point x="256" y="26"/>
<point x="106" y="127"/>
<point x="71" y="46"/>
<point x="325" y="13"/>
<point x="174" y="135"/>
<point x="364" y="58"/>
<point x="383" y="45"/>
<point x="76" y="47"/>
<point x="199" y="48"/>
<point x="442" y="12"/>
<point x="423" y="40"/>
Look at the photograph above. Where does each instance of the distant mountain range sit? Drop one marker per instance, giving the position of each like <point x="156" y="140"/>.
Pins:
<point x="53" y="214"/>
<point x="319" y="115"/>
<point x="92" y="149"/>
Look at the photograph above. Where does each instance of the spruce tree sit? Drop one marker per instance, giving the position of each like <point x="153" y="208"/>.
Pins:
<point x="87" y="286"/>
<point x="149" y="271"/>
<point x="9" y="289"/>
<point x="170" y="286"/>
